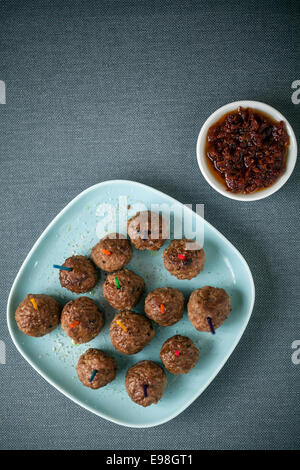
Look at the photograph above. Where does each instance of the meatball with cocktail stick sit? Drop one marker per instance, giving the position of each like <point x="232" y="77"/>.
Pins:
<point x="112" y="252"/>
<point x="208" y="308"/>
<point x="147" y="230"/>
<point x="38" y="315"/>
<point x="184" y="258"/>
<point x="78" y="274"/>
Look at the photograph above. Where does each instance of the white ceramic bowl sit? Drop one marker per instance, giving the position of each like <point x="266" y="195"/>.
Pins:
<point x="212" y="180"/>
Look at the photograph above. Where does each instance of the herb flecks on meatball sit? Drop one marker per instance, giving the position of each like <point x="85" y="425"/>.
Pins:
<point x="165" y="306"/>
<point x="38" y="315"/>
<point x="145" y="383"/>
<point x="179" y="354"/>
<point x="95" y="369"/>
<point x="208" y="302"/>
<point x="123" y="289"/>
<point x="81" y="320"/>
<point x="112" y="252"/>
<point x="184" y="258"/>
<point x="83" y="276"/>
<point x="147" y="230"/>
<point x="130" y="332"/>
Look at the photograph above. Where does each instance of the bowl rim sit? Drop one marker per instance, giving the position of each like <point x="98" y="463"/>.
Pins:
<point x="214" y="183"/>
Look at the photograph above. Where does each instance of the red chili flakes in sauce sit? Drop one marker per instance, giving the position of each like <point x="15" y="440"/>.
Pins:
<point x="247" y="150"/>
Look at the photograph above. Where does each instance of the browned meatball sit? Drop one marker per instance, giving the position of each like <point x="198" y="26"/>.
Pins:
<point x="83" y="276"/>
<point x="147" y="230"/>
<point x="145" y="383"/>
<point x="123" y="289"/>
<point x="179" y="354"/>
<point x="208" y="306"/>
<point x="130" y="332"/>
<point x="96" y="369"/>
<point x="165" y="306"/>
<point x="112" y="252"/>
<point x="182" y="261"/>
<point x="82" y="320"/>
<point x="37" y="314"/>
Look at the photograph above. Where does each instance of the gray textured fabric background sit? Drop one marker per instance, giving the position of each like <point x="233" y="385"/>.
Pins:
<point x="119" y="89"/>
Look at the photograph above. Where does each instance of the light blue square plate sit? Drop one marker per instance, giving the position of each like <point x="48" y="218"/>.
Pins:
<point x="75" y="230"/>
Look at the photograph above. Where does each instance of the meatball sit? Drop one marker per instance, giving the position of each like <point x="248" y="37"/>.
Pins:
<point x="37" y="314"/>
<point x="96" y="369"/>
<point x="182" y="261"/>
<point x="112" y="252"/>
<point x="165" y="306"/>
<point x="83" y="276"/>
<point x="123" y="289"/>
<point x="145" y="383"/>
<point x="147" y="230"/>
<point x="179" y="354"/>
<point x="130" y="332"/>
<point x="82" y="320"/>
<point x="208" y="308"/>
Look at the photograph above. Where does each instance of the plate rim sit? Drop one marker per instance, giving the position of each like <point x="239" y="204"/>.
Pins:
<point x="69" y="395"/>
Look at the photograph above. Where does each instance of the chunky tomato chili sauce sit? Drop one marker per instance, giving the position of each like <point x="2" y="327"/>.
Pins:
<point x="247" y="150"/>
